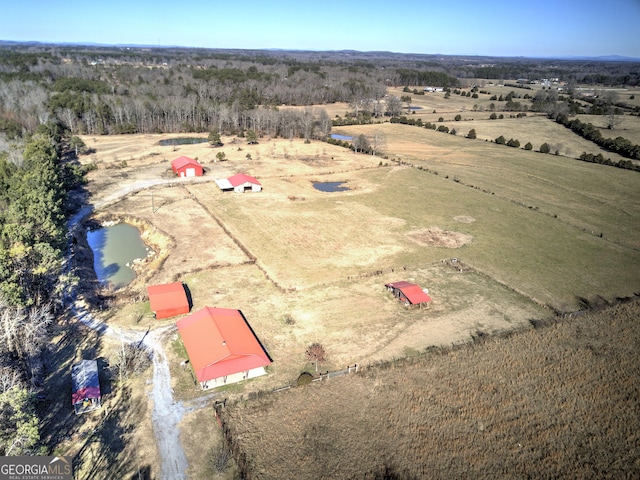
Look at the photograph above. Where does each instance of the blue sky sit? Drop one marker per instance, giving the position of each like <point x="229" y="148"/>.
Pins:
<point x="490" y="27"/>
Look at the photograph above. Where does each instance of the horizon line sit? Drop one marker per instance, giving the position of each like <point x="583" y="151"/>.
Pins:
<point x="607" y="57"/>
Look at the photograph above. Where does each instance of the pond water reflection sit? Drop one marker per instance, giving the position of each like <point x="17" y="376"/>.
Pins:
<point x="330" y="186"/>
<point x="114" y="247"/>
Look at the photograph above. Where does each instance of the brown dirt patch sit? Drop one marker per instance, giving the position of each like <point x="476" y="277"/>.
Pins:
<point x="436" y="237"/>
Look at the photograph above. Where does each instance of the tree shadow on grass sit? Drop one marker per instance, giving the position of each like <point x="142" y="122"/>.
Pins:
<point x="58" y="421"/>
<point x="107" y="451"/>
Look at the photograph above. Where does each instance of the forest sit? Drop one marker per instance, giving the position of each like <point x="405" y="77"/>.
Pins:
<point x="102" y="90"/>
<point x="49" y="94"/>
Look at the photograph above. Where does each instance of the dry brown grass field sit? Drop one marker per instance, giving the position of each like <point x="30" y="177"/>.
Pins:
<point x="555" y="402"/>
<point x="538" y="233"/>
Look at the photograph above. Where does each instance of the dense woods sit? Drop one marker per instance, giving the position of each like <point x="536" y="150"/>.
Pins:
<point x="33" y="187"/>
<point x="109" y="90"/>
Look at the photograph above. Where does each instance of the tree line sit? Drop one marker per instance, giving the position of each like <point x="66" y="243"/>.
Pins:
<point x="619" y="145"/>
<point x="34" y="182"/>
<point x="108" y="90"/>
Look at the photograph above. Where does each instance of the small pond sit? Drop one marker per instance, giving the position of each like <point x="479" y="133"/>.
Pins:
<point x="415" y="108"/>
<point x="114" y="247"/>
<point x="330" y="186"/>
<point x="182" y="141"/>
<point x="337" y="136"/>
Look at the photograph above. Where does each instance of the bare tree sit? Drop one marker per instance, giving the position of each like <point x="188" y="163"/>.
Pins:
<point x="406" y="99"/>
<point x="394" y="106"/>
<point x="307" y="121"/>
<point x="361" y="143"/>
<point x="9" y="378"/>
<point x="324" y="124"/>
<point x="378" y="142"/>
<point x="315" y="353"/>
<point x="614" y="118"/>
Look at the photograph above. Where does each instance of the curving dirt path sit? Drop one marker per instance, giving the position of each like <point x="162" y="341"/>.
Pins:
<point x="167" y="413"/>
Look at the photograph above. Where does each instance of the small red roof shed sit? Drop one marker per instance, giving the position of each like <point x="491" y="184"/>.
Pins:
<point x="409" y="293"/>
<point x="186" y="167"/>
<point x="168" y="300"/>
<point x="220" y="342"/>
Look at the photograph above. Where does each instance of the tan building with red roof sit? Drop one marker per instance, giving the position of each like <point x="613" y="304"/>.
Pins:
<point x="222" y="347"/>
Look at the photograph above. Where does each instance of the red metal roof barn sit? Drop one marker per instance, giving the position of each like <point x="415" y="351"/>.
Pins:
<point x="168" y="300"/>
<point x="85" y="386"/>
<point x="409" y="293"/>
<point x="239" y="183"/>
<point x="187" y="167"/>
<point x="222" y="347"/>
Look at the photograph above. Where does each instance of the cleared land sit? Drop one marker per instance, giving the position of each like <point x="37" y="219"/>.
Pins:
<point x="532" y="233"/>
<point x="558" y="402"/>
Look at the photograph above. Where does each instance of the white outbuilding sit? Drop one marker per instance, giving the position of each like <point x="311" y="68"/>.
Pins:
<point x="239" y="183"/>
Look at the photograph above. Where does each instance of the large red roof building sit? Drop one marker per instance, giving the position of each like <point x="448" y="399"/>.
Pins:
<point x="222" y="347"/>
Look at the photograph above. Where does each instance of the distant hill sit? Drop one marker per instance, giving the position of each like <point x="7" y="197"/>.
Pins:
<point x="345" y="52"/>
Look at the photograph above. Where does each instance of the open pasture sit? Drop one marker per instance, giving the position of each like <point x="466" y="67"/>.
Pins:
<point x="307" y="266"/>
<point x="329" y="237"/>
<point x="628" y="126"/>
<point x="593" y="198"/>
<point x="557" y="402"/>
<point x="537" y="129"/>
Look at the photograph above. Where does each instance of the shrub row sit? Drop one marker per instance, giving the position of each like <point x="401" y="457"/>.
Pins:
<point x="619" y="145"/>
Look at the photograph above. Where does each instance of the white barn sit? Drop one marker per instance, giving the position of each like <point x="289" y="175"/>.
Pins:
<point x="239" y="183"/>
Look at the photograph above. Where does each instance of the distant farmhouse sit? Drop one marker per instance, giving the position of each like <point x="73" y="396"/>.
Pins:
<point x="433" y="89"/>
<point x="222" y="347"/>
<point x="187" y="167"/>
<point x="239" y="183"/>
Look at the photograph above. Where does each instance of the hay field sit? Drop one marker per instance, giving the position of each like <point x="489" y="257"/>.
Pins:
<point x="559" y="402"/>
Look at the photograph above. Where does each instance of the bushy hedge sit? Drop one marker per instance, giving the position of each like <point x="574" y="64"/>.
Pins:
<point x="619" y="145"/>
